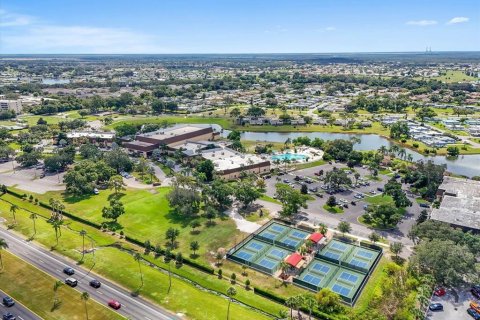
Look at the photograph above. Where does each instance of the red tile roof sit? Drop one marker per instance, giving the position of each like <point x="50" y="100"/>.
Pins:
<point x="293" y="259"/>
<point x="316" y="237"/>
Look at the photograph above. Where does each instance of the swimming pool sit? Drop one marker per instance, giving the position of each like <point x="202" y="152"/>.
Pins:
<point x="289" y="156"/>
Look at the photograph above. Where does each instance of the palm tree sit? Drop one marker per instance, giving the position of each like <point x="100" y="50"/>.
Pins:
<point x="56" y="286"/>
<point x="310" y="302"/>
<point x="85" y="296"/>
<point x="290" y="303"/>
<point x="409" y="157"/>
<point x="13" y="210"/>
<point x="137" y="258"/>
<point x="230" y="293"/>
<point x="34" y="216"/>
<point x="383" y="150"/>
<point x="83" y="233"/>
<point x="283" y="314"/>
<point x="169" y="276"/>
<point x="57" y="224"/>
<point x="3" y="245"/>
<point x="402" y="153"/>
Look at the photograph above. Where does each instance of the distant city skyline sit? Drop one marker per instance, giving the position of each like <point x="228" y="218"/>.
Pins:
<point x="175" y="27"/>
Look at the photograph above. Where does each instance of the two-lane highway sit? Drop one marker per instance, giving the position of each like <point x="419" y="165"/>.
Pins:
<point x="132" y="307"/>
<point x="18" y="310"/>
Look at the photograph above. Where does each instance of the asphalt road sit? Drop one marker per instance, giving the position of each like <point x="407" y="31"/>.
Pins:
<point x="18" y="310"/>
<point x="132" y="307"/>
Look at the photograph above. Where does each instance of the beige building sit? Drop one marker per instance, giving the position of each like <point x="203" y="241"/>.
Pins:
<point x="15" y="105"/>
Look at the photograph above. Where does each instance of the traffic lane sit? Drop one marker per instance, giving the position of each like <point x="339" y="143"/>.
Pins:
<point x="18" y="310"/>
<point x="132" y="307"/>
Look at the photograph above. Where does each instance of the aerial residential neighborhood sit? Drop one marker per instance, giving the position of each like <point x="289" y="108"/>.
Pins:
<point x="239" y="160"/>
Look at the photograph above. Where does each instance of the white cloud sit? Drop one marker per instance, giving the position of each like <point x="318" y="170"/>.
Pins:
<point x="37" y="37"/>
<point x="422" y="23"/>
<point x="14" y="20"/>
<point x="458" y="20"/>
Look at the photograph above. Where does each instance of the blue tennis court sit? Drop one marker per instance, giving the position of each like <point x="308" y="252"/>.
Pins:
<point x="320" y="268"/>
<point x="341" y="290"/>
<point x="269" y="235"/>
<point x="298" y="234"/>
<point x="315" y="280"/>
<point x="267" y="263"/>
<point x="364" y="254"/>
<point x="277" y="228"/>
<point x="332" y="255"/>
<point x="338" y="246"/>
<point x="254" y="245"/>
<point x="243" y="254"/>
<point x="347" y="276"/>
<point x="359" y="263"/>
<point x="277" y="254"/>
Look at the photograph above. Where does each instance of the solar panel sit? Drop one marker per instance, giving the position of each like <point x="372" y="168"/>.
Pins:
<point x="349" y="277"/>
<point x="277" y="228"/>
<point x="312" y="279"/>
<point x="244" y="255"/>
<point x="267" y="263"/>
<point x="365" y="254"/>
<point x="255" y="245"/>
<point x="341" y="290"/>
<point x="332" y="255"/>
<point x="321" y="268"/>
<point x="359" y="263"/>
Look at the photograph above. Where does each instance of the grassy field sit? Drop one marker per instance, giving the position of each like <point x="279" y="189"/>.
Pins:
<point x="455" y="76"/>
<point x="335" y="209"/>
<point x="152" y="206"/>
<point x="379" y="199"/>
<point x="184" y="297"/>
<point x="16" y="280"/>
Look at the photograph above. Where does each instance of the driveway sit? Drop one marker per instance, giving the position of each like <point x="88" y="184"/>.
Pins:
<point x="451" y="309"/>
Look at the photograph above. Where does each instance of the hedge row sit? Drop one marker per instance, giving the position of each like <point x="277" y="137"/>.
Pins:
<point x="370" y="245"/>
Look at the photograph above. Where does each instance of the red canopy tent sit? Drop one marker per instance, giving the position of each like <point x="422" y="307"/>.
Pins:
<point x="316" y="237"/>
<point x="294" y="259"/>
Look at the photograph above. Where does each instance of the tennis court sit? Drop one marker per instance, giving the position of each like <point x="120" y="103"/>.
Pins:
<point x="336" y="251"/>
<point x="294" y="238"/>
<point x="283" y="236"/>
<point x="317" y="275"/>
<point x="346" y="283"/>
<point x="251" y="250"/>
<point x="362" y="258"/>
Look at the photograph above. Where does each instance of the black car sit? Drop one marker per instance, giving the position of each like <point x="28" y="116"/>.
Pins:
<point x="436" y="307"/>
<point x="353" y="203"/>
<point x="9" y="316"/>
<point x="424" y="205"/>
<point x="476" y="291"/>
<point x="95" y="284"/>
<point x="8" y="302"/>
<point x="69" y="271"/>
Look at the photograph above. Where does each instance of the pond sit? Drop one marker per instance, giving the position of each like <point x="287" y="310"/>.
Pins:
<point x="55" y="81"/>
<point x="467" y="165"/>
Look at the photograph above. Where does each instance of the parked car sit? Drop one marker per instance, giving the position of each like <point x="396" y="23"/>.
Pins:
<point x="436" y="307"/>
<point x="114" y="304"/>
<point x="69" y="271"/>
<point x="314" y="189"/>
<point x="286" y="181"/>
<point x="9" y="316"/>
<point x="95" y="284"/>
<point x="475" y="306"/>
<point x="72" y="282"/>
<point x="380" y="189"/>
<point x="345" y="205"/>
<point x="476" y="290"/>
<point x="373" y="192"/>
<point x="8" y="302"/>
<point x="319" y="195"/>
<point x="42" y="175"/>
<point x="474" y="314"/>
<point x="439" y="292"/>
<point x="353" y="203"/>
<point x="424" y="205"/>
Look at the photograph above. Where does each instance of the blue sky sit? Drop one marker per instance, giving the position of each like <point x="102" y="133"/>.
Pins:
<point x="237" y="26"/>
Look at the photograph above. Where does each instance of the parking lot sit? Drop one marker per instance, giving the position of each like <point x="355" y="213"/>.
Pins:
<point x="356" y="194"/>
<point x="451" y="309"/>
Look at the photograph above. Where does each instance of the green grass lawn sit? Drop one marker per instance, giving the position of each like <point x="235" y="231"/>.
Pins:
<point x="264" y="197"/>
<point x="372" y="288"/>
<point x="309" y="164"/>
<point x="420" y="201"/>
<point x="184" y="297"/>
<point x="147" y="217"/>
<point x="379" y="199"/>
<point x="33" y="288"/>
<point x="335" y="209"/>
<point x="455" y="76"/>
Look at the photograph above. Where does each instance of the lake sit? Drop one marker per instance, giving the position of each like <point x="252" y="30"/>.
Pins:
<point x="55" y="81"/>
<point x="467" y="165"/>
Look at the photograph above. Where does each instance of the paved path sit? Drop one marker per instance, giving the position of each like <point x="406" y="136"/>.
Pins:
<point x="166" y="181"/>
<point x="242" y="224"/>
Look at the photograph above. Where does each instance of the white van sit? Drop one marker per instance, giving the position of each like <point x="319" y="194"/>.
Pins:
<point x="72" y="282"/>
